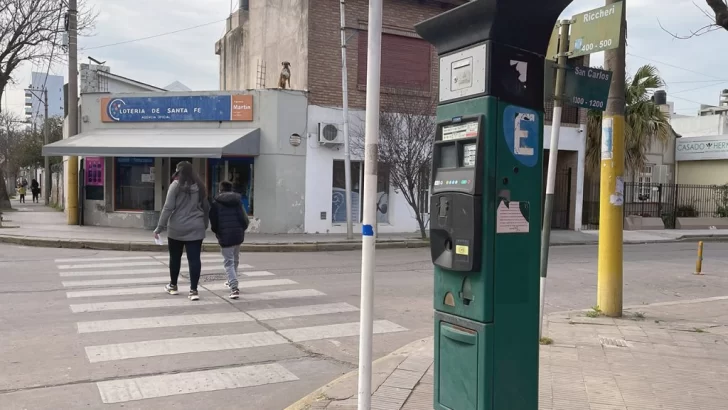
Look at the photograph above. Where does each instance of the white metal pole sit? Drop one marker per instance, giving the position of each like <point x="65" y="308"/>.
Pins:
<point x="46" y="159"/>
<point x="345" y="104"/>
<point x="371" y="154"/>
<point x="553" y="158"/>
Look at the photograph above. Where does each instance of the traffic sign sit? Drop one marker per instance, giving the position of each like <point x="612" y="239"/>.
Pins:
<point x="587" y="87"/>
<point x="596" y="30"/>
<point x="553" y="50"/>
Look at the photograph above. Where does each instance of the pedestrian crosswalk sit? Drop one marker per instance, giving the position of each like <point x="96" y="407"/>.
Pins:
<point x="120" y="305"/>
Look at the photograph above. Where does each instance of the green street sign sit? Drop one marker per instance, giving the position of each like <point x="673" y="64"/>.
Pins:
<point x="587" y="87"/>
<point x="553" y="50"/>
<point x="596" y="30"/>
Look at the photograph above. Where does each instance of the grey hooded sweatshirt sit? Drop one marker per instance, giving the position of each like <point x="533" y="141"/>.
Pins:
<point x="184" y="215"/>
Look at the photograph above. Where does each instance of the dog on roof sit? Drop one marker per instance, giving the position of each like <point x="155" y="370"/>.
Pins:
<point x="285" y="75"/>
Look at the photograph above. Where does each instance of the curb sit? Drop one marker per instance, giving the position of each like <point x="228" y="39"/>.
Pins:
<point x="346" y="386"/>
<point x="207" y="247"/>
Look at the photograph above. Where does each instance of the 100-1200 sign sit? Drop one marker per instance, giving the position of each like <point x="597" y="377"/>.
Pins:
<point x="580" y="101"/>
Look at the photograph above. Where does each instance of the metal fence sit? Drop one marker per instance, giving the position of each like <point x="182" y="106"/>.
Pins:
<point x="666" y="201"/>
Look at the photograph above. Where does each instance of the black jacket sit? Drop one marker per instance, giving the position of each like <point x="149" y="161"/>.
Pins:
<point x="228" y="219"/>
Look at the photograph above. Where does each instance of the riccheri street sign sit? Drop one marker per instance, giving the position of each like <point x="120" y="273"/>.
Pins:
<point x="587" y="87"/>
<point x="596" y="30"/>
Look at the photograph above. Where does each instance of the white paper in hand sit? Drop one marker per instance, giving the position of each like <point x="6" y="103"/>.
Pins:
<point x="158" y="240"/>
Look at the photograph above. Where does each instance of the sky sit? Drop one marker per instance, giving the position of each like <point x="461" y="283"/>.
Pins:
<point x="695" y="70"/>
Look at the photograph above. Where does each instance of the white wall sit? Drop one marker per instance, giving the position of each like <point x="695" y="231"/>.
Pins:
<point x="700" y="126"/>
<point x="319" y="174"/>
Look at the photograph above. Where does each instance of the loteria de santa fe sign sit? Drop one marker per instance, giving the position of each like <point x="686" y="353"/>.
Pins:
<point x="702" y="148"/>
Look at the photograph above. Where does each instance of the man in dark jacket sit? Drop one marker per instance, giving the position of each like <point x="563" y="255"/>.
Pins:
<point x="229" y="222"/>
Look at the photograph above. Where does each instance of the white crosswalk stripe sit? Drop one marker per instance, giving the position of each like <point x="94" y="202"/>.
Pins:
<point x="161" y="321"/>
<point x="120" y="391"/>
<point x="139" y="304"/>
<point x="123" y="305"/>
<point x="142" y="271"/>
<point x="149" y="290"/>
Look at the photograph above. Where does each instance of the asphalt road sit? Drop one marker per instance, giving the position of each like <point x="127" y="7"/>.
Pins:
<point x="92" y="329"/>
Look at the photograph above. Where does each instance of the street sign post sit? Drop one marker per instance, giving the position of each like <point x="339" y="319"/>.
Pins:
<point x="587" y="87"/>
<point x="596" y="30"/>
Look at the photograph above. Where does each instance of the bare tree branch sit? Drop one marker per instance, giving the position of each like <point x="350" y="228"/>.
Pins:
<point x="720" y="9"/>
<point x="719" y="20"/>
<point x="406" y="131"/>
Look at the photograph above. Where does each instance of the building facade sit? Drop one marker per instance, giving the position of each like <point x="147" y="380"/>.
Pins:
<point x="34" y="98"/>
<point x="130" y="144"/>
<point x="306" y="34"/>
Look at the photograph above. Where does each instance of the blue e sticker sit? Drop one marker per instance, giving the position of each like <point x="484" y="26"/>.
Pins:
<point x="522" y="133"/>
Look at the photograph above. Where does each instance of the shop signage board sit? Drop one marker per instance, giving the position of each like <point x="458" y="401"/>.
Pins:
<point x="237" y="107"/>
<point x="702" y="148"/>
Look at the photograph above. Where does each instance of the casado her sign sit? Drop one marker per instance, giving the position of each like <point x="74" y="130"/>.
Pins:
<point x="702" y="148"/>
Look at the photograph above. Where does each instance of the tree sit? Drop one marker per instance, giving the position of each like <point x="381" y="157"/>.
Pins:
<point x="406" y="130"/>
<point x="30" y="31"/>
<point x="10" y="137"/>
<point x="30" y="151"/>
<point x="643" y="119"/>
<point x="718" y="17"/>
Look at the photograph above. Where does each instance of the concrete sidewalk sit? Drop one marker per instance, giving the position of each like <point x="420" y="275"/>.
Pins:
<point x="663" y="356"/>
<point x="37" y="225"/>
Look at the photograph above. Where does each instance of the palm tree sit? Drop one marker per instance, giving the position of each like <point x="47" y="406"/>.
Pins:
<point x="643" y="119"/>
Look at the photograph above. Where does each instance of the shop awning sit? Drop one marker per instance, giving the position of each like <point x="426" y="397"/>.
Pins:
<point x="159" y="142"/>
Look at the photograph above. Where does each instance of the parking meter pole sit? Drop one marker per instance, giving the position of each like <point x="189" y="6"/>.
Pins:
<point x="553" y="159"/>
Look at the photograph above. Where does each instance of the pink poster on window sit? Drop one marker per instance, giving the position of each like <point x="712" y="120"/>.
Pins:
<point x="94" y="171"/>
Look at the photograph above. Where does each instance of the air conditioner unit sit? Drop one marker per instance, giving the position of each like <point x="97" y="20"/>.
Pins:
<point x="329" y="134"/>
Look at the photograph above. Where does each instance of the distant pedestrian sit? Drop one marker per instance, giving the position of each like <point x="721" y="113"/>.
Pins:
<point x="229" y="221"/>
<point x="21" y="193"/>
<point x="185" y="216"/>
<point x="35" y="190"/>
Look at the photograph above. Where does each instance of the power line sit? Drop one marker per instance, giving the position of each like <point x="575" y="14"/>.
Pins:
<point x="699" y="88"/>
<point x="675" y="66"/>
<point x="154" y="36"/>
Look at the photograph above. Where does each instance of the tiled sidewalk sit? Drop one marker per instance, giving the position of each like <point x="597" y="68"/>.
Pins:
<point x="669" y="356"/>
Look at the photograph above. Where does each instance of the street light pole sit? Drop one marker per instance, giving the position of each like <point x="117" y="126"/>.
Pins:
<point x="46" y="159"/>
<point x="345" y="103"/>
<point x="371" y="154"/>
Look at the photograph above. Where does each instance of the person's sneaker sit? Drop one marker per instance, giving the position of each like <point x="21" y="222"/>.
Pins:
<point x="194" y="295"/>
<point x="234" y="293"/>
<point x="227" y="285"/>
<point x="171" y="289"/>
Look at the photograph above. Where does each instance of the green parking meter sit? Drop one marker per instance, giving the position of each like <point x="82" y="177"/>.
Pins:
<point x="486" y="198"/>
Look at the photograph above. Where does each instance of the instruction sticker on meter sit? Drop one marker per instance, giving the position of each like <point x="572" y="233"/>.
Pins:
<point x="469" y="151"/>
<point x="460" y="131"/>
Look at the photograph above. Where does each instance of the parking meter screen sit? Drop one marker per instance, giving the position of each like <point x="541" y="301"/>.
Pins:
<point x="449" y="156"/>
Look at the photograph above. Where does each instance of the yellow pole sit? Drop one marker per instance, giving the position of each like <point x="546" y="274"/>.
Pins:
<point x="699" y="261"/>
<point x="609" y="279"/>
<point x="72" y="194"/>
<point x="611" y="199"/>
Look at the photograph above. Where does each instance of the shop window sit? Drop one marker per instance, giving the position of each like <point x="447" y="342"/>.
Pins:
<point x="338" y="204"/>
<point x="643" y="188"/>
<point x="338" y="199"/>
<point x="134" y="184"/>
<point x="239" y="172"/>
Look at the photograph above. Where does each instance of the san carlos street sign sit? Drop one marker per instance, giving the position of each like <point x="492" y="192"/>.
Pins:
<point x="587" y="87"/>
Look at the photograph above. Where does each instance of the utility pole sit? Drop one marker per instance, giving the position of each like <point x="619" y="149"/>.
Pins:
<point x="46" y="138"/>
<point x="371" y="154"/>
<point x="46" y="159"/>
<point x="553" y="158"/>
<point x="610" y="264"/>
<point x="345" y="103"/>
<point x="72" y="174"/>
